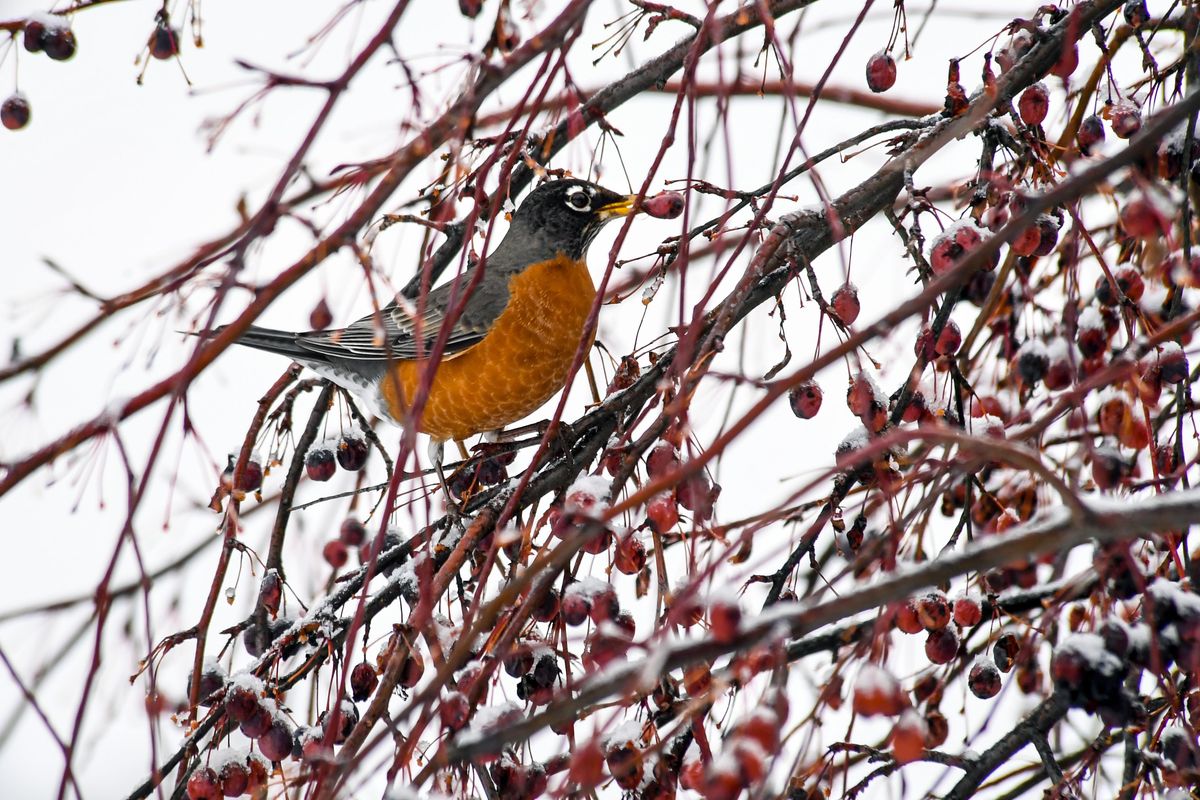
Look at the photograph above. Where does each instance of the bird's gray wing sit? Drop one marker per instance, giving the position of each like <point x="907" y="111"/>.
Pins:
<point x="400" y="332"/>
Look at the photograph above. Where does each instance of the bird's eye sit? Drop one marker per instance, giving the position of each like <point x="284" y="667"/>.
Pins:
<point x="579" y="201"/>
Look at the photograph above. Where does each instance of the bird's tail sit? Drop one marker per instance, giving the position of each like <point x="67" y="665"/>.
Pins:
<point x="281" y="342"/>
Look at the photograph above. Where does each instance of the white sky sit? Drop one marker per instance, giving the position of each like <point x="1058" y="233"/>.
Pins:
<point x="114" y="182"/>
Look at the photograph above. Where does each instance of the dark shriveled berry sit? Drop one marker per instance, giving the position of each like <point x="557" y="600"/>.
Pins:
<point x="352" y="452"/>
<point x="164" y="42"/>
<point x="363" y="680"/>
<point x="59" y="43"/>
<point x="34" y="31"/>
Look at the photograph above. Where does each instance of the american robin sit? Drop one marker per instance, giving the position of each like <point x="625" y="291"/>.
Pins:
<point x="511" y="345"/>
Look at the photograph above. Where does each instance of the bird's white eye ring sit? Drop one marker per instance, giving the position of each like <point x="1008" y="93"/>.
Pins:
<point x="578" y="200"/>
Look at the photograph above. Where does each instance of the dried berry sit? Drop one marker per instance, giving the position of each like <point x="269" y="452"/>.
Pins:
<point x="1005" y="651"/>
<point x="363" y="680"/>
<point x="164" y="42"/>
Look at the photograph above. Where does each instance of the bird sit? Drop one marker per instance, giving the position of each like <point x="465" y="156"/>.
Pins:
<point x="521" y="314"/>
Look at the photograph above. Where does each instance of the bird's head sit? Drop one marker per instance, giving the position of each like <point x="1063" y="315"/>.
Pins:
<point x="565" y="215"/>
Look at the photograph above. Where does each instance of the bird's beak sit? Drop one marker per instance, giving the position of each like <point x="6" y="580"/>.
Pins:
<point x="621" y="208"/>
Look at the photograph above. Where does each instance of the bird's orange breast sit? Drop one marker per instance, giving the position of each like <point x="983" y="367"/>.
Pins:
<point x="519" y="364"/>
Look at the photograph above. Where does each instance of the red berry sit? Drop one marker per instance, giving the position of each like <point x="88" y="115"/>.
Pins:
<point x="352" y="532"/>
<point x="805" y="399"/>
<point x="626" y="765"/>
<point x="234" y="777"/>
<point x="663" y="512"/>
<point x="1068" y="61"/>
<point x="941" y="646"/>
<point x="908" y="737"/>
<point x="164" y="42"/>
<point x="984" y="679"/>
<point x="270" y="591"/>
<point x="14" y="112"/>
<point x="1109" y="468"/>
<point x="967" y="612"/>
<point x="697" y="679"/>
<point x="1141" y="218"/>
<point x="662" y="460"/>
<point x="630" y="556"/>
<point x="258" y="723"/>
<point x="470" y="8"/>
<point x="547" y="609"/>
<point x="454" y="710"/>
<point x="336" y="554"/>
<point x="1034" y="104"/>
<point x="575" y="608"/>
<point x="878" y="692"/>
<point x="907" y="619"/>
<point x="666" y="205"/>
<point x="881" y="72"/>
<point x="203" y="784"/>
<point x="276" y="743"/>
<point x="363" y="680"/>
<point x="698" y="495"/>
<point x="933" y="610"/>
<point x="241" y="703"/>
<point x="413" y="669"/>
<point x="844" y="304"/>
<point x="949" y="340"/>
<point x="352" y="452"/>
<point x="587" y="762"/>
<point x="724" y="616"/>
<point x="319" y="464"/>
<point x="1027" y="241"/>
<point x="320" y="317"/>
<point x="1047" y="235"/>
<point x="1091" y="133"/>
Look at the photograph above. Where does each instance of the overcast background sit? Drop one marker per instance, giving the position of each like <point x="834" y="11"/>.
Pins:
<point x="115" y="181"/>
